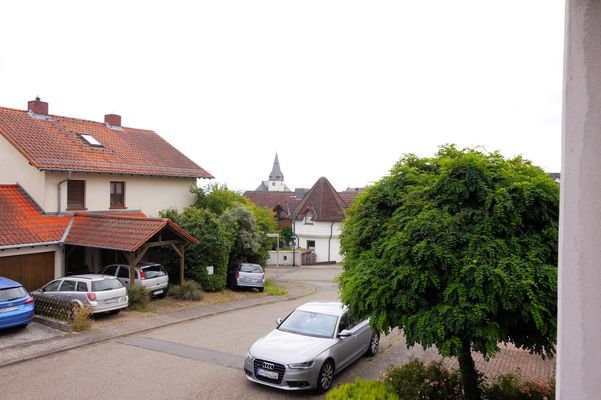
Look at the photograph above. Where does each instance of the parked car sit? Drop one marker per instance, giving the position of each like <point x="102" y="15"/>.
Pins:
<point x="248" y="275"/>
<point x="102" y="293"/>
<point x="16" y="305"/>
<point x="152" y="276"/>
<point x="314" y="342"/>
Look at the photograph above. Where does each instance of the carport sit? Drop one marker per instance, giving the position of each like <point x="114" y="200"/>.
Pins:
<point x="132" y="236"/>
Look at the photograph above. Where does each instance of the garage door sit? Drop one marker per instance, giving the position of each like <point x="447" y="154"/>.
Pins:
<point x="32" y="270"/>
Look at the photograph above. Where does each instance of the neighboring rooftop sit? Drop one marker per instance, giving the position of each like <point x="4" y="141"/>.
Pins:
<point x="52" y="142"/>
<point x="323" y="201"/>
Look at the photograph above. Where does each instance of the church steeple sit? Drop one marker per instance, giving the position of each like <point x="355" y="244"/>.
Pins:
<point x="276" y="179"/>
<point x="276" y="172"/>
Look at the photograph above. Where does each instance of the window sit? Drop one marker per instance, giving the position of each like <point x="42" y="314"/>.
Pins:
<point x="310" y="244"/>
<point x="91" y="140"/>
<point x="123" y="272"/>
<point x="76" y="191"/>
<point x="309" y="219"/>
<point x="52" y="286"/>
<point x="117" y="194"/>
<point x="82" y="287"/>
<point x="68" y="286"/>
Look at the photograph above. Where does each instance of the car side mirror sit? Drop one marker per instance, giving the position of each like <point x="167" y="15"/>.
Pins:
<point x="345" y="333"/>
<point x="279" y="321"/>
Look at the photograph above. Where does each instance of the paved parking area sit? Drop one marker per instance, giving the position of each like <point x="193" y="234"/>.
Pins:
<point x="34" y="332"/>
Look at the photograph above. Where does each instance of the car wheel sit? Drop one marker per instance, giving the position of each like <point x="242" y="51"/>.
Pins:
<point x="261" y="289"/>
<point x="374" y="344"/>
<point x="325" y="377"/>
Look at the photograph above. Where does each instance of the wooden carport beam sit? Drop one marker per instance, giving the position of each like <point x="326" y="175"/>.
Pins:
<point x="133" y="258"/>
<point x="179" y="249"/>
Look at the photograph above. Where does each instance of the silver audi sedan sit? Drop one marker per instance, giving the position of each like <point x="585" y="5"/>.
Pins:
<point x="314" y="342"/>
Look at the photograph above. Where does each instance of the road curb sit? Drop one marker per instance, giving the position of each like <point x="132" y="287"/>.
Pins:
<point x="93" y="337"/>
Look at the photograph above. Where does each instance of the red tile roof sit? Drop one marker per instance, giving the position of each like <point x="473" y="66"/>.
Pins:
<point x="55" y="143"/>
<point x="349" y="196"/>
<point x="120" y="233"/>
<point x="323" y="201"/>
<point x="285" y="200"/>
<point x="22" y="222"/>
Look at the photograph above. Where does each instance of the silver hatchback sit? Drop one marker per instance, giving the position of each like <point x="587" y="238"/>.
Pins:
<point x="101" y="293"/>
<point x="152" y="276"/>
<point x="248" y="275"/>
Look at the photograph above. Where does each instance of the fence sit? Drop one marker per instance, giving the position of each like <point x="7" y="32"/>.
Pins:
<point x="52" y="307"/>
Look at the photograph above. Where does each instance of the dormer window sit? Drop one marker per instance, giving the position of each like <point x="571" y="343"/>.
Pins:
<point x="91" y="140"/>
<point x="308" y="219"/>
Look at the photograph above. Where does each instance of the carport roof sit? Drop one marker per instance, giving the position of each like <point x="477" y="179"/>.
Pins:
<point x="22" y="223"/>
<point x="120" y="233"/>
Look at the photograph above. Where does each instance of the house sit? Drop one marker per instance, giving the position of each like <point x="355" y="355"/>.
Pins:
<point x="317" y="220"/>
<point x="77" y="194"/>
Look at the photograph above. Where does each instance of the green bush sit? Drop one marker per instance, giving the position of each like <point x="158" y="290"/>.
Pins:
<point x="189" y="290"/>
<point x="415" y="380"/>
<point x="514" y="387"/>
<point x="363" y="390"/>
<point x="138" y="298"/>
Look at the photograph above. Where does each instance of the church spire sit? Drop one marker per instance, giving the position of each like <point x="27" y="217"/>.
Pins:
<point x="276" y="173"/>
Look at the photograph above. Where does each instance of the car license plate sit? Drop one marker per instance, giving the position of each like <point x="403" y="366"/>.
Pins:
<point x="158" y="292"/>
<point x="8" y="309"/>
<point x="267" y="374"/>
<point x="111" y="301"/>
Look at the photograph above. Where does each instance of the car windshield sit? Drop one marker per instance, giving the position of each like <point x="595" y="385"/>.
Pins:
<point x="310" y="324"/>
<point x="153" y="271"/>
<point x="250" y="268"/>
<point x="106" y="284"/>
<point x="12" y="294"/>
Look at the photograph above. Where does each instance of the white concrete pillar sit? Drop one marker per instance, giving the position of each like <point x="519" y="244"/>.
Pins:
<point x="579" y="332"/>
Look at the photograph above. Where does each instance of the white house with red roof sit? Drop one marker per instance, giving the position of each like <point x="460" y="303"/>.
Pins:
<point x="77" y="194"/>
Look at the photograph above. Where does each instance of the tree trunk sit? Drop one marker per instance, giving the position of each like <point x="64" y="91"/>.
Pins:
<point x="469" y="375"/>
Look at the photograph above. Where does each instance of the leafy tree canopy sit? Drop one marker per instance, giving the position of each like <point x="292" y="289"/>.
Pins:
<point x="458" y="250"/>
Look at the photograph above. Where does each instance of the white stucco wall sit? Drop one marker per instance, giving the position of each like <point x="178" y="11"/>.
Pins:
<point x="579" y="316"/>
<point x="14" y="168"/>
<point x="320" y="233"/>
<point x="145" y="193"/>
<point x="285" y="258"/>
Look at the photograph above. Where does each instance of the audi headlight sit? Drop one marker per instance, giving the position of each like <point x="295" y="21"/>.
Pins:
<point x="303" y="365"/>
<point x="249" y="356"/>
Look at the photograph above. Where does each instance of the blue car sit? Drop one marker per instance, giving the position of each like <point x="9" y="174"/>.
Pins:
<point x="16" y="305"/>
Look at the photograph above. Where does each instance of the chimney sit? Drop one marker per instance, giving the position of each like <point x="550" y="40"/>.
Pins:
<point x="112" y="120"/>
<point x="37" y="106"/>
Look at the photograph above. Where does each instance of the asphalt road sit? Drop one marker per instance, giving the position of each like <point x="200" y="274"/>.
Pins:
<point x="200" y="359"/>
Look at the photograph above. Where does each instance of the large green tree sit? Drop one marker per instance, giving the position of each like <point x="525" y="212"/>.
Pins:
<point x="459" y="251"/>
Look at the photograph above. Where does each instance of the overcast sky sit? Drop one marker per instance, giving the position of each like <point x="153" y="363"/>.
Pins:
<point x="340" y="89"/>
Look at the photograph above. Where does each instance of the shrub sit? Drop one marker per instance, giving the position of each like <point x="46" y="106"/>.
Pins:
<point x="514" y="387"/>
<point x="415" y="380"/>
<point x="273" y="290"/>
<point x="363" y="390"/>
<point x="138" y="298"/>
<point x="189" y="290"/>
<point x="82" y="318"/>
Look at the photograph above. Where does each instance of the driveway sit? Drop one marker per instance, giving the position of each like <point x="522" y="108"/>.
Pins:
<point x="34" y="332"/>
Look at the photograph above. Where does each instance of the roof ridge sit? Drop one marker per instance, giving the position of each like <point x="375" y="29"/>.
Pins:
<point x="113" y="216"/>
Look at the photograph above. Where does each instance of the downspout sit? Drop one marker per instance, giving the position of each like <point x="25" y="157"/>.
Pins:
<point x="59" y="184"/>
<point x="294" y="242"/>
<point x="330" y="239"/>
